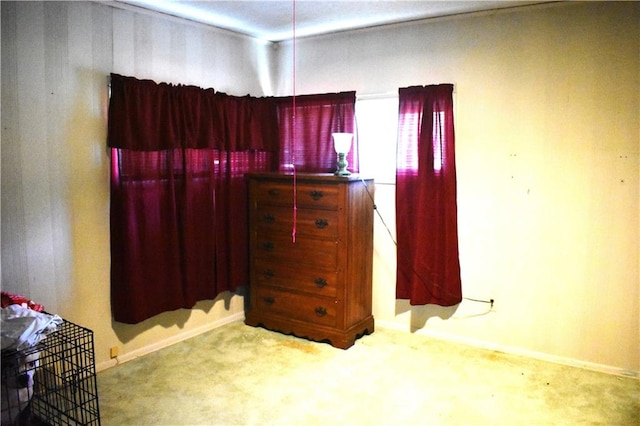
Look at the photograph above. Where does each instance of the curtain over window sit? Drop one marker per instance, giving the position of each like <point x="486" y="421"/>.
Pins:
<point x="306" y="126"/>
<point x="428" y="270"/>
<point x="178" y="195"/>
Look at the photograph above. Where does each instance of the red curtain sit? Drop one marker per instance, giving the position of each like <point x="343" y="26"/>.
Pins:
<point x="306" y="126"/>
<point x="428" y="270"/>
<point x="178" y="195"/>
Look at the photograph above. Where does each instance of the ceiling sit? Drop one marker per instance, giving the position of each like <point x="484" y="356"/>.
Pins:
<point x="272" y="20"/>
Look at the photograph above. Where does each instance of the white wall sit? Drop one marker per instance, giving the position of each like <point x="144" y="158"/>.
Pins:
<point x="56" y="57"/>
<point x="547" y="126"/>
<point x="547" y="140"/>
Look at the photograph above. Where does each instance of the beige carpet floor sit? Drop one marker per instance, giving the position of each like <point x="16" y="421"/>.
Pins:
<point x="240" y="375"/>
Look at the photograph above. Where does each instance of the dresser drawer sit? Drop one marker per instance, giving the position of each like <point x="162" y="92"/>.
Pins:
<point x="308" y="195"/>
<point x="309" y="280"/>
<point x="322" y="254"/>
<point x="310" y="222"/>
<point x="317" y="310"/>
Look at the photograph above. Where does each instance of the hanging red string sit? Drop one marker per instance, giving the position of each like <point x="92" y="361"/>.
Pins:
<point x="293" y="131"/>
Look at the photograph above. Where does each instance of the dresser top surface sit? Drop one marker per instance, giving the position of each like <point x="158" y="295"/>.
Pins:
<point x="317" y="177"/>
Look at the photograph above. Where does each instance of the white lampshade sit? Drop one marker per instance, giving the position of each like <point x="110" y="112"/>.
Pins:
<point x="342" y="142"/>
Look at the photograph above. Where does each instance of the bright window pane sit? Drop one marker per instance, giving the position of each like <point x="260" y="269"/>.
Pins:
<point x="377" y="135"/>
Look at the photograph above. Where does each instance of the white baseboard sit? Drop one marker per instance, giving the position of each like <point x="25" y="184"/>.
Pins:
<point x="514" y="350"/>
<point x="145" y="350"/>
<point x="382" y="324"/>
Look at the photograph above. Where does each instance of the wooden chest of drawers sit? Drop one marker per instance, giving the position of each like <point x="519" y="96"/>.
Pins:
<point x="318" y="286"/>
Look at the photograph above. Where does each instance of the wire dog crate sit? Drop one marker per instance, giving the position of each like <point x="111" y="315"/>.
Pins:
<point x="52" y="383"/>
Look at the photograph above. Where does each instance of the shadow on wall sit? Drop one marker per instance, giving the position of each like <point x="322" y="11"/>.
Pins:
<point x="421" y="314"/>
<point x="167" y="320"/>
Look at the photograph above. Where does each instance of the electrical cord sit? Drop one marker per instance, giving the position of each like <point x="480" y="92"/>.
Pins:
<point x="375" y="208"/>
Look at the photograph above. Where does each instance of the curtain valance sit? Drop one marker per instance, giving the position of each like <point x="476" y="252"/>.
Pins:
<point x="345" y="98"/>
<point x="149" y="116"/>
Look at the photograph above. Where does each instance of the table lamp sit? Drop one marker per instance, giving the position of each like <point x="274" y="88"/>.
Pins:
<point x="342" y="144"/>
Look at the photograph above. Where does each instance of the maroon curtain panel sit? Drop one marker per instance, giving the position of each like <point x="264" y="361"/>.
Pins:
<point x="428" y="267"/>
<point x="306" y="126"/>
<point x="178" y="194"/>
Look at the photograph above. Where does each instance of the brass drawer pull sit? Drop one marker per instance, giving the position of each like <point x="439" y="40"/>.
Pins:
<point x="269" y="218"/>
<point x="269" y="300"/>
<point x="320" y="311"/>
<point x="320" y="282"/>
<point x="269" y="273"/>
<point x="268" y="245"/>
<point x="273" y="192"/>
<point x="321" y="223"/>
<point x="316" y="195"/>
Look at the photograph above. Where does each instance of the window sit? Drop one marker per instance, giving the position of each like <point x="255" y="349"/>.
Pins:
<point x="377" y="135"/>
<point x="438" y="149"/>
<point x="377" y="120"/>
